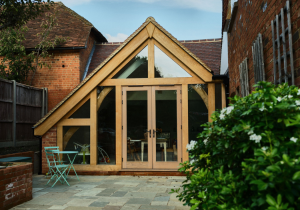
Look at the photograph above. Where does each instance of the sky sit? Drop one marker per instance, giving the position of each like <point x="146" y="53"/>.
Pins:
<point x="184" y="19"/>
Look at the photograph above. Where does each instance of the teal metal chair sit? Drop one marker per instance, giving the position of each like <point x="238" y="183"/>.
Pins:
<point x="57" y="169"/>
<point x="50" y="161"/>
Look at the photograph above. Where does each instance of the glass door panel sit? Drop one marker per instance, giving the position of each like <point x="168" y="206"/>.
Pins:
<point x="136" y="124"/>
<point x="166" y="108"/>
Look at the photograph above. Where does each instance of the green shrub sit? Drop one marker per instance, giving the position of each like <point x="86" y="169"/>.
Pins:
<point x="248" y="157"/>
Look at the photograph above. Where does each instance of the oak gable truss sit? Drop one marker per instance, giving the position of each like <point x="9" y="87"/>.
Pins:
<point x="150" y="33"/>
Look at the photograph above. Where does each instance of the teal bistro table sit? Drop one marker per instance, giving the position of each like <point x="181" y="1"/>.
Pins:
<point x="71" y="161"/>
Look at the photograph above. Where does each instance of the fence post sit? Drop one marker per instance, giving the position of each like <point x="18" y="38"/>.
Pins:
<point x="14" y="109"/>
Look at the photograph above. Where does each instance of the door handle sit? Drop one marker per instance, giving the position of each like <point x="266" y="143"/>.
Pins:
<point x="149" y="133"/>
<point x="154" y="133"/>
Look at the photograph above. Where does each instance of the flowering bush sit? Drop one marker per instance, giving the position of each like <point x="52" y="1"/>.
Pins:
<point x="248" y="157"/>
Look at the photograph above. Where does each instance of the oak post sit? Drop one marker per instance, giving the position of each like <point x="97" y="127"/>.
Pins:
<point x="185" y="122"/>
<point x="93" y="127"/>
<point x="223" y="95"/>
<point x="118" y="125"/>
<point x="59" y="138"/>
<point x="151" y="58"/>
<point x="211" y="100"/>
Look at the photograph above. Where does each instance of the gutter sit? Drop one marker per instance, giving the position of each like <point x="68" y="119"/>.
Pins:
<point x="60" y="48"/>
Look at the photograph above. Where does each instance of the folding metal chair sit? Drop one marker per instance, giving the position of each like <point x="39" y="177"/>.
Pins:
<point x="57" y="169"/>
<point x="50" y="162"/>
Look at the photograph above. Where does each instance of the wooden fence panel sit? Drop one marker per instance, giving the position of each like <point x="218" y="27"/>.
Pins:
<point x="30" y="106"/>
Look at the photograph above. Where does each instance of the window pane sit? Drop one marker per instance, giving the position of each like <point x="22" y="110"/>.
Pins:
<point x="83" y="111"/>
<point x="136" y="68"/>
<point x="198" y="112"/>
<point x="166" y="125"/>
<point x="77" y="138"/>
<point x="106" y="105"/>
<point x="165" y="67"/>
<point x="137" y="124"/>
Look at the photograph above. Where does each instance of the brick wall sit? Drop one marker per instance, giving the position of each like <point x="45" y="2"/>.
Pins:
<point x="21" y="154"/>
<point x="250" y="20"/>
<point x="61" y="78"/>
<point x="15" y="185"/>
<point x="48" y="140"/>
<point x="85" y="53"/>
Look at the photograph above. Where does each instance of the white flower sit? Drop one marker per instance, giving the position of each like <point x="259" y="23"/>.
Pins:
<point x="223" y="110"/>
<point x="192" y="161"/>
<point x="281" y="162"/>
<point x="290" y="96"/>
<point x="271" y="107"/>
<point x="298" y="103"/>
<point x="255" y="138"/>
<point x="294" y="139"/>
<point x="250" y="132"/>
<point x="298" y="92"/>
<point x="229" y="109"/>
<point x="205" y="141"/>
<point x="264" y="148"/>
<point x="262" y="108"/>
<point x="279" y="99"/>
<point x="222" y="116"/>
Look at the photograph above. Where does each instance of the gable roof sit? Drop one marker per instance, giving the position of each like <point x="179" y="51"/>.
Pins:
<point x="207" y="50"/>
<point x="70" y="24"/>
<point x="97" y="69"/>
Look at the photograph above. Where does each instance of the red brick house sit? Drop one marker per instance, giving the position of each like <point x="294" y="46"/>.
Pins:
<point x="71" y="59"/>
<point x="253" y="29"/>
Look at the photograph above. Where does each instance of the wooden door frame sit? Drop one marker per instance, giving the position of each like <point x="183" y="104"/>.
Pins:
<point x="168" y="164"/>
<point x="151" y="110"/>
<point x="126" y="164"/>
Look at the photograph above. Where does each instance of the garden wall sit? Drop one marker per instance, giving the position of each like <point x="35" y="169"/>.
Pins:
<point x="15" y="185"/>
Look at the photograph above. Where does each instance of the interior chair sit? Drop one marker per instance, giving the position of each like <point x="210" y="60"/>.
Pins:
<point x="131" y="149"/>
<point x="173" y="149"/>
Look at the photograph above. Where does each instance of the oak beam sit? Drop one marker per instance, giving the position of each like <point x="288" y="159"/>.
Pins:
<point x="152" y="81"/>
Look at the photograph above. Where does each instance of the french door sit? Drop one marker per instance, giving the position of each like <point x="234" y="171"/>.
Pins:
<point x="151" y="127"/>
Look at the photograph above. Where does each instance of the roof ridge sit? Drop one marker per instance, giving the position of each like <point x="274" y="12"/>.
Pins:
<point x="75" y="14"/>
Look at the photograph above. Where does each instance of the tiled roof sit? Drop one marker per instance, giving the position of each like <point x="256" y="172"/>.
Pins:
<point x="70" y="24"/>
<point x="119" y="48"/>
<point x="207" y="50"/>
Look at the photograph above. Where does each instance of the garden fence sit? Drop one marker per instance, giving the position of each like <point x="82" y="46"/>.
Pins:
<point x="21" y="106"/>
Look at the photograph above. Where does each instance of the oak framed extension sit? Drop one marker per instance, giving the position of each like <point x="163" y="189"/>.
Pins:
<point x="167" y="99"/>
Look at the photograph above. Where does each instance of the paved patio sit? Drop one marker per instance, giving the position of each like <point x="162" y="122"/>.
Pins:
<point x="106" y="192"/>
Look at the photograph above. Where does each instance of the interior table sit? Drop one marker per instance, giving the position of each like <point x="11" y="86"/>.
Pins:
<point x="71" y="161"/>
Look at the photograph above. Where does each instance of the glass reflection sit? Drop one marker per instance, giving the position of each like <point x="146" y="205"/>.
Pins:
<point x="165" y="67"/>
<point x="136" y="68"/>
<point x="137" y="124"/>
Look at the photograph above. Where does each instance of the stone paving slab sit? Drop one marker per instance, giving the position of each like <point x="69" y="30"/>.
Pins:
<point x="106" y="193"/>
